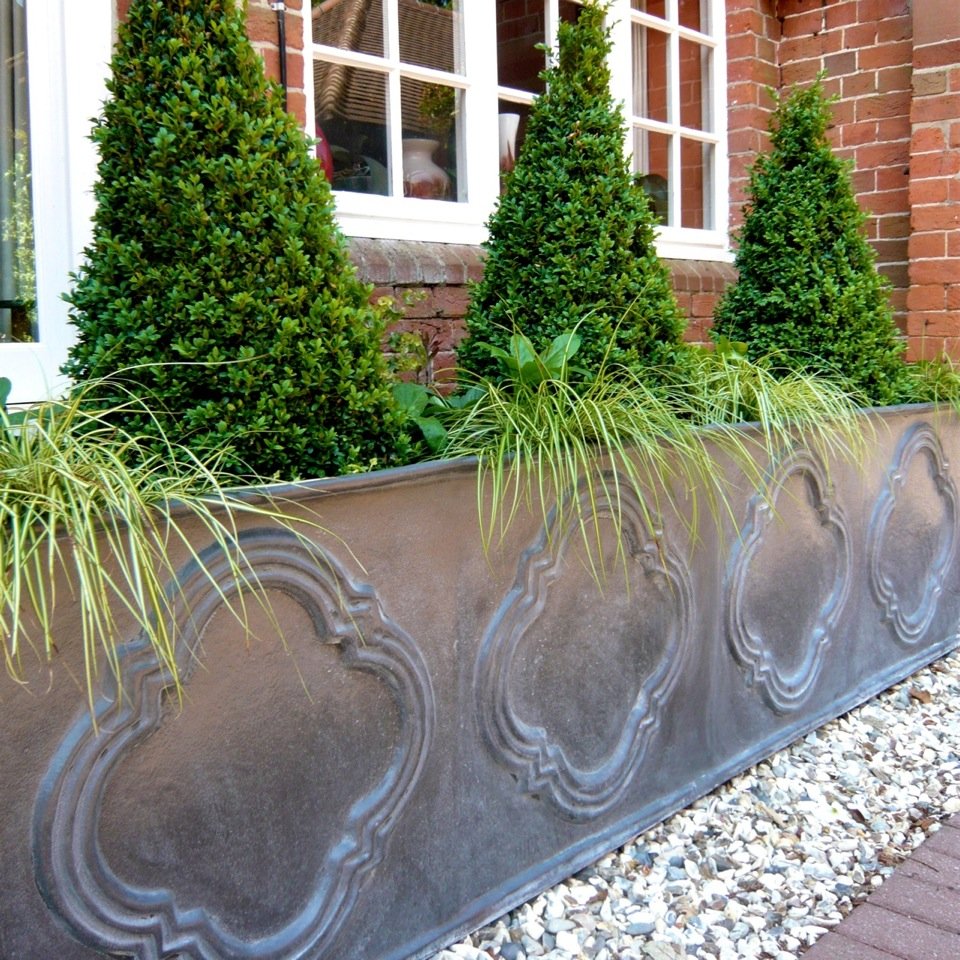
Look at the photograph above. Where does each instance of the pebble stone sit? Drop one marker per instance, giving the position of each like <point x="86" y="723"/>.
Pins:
<point x="772" y="859"/>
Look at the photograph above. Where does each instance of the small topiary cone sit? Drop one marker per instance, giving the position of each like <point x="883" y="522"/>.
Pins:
<point x="215" y="243"/>
<point x="572" y="240"/>
<point x="808" y="287"/>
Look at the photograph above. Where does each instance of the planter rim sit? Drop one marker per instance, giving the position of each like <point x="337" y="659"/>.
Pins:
<point x="426" y="471"/>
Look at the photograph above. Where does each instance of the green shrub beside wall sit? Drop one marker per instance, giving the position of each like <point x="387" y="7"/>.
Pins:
<point x="572" y="240"/>
<point x="215" y="243"/>
<point x="808" y="286"/>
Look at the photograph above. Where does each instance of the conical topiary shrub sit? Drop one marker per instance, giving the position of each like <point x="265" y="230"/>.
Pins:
<point x="808" y="287"/>
<point x="572" y="240"/>
<point x="216" y="270"/>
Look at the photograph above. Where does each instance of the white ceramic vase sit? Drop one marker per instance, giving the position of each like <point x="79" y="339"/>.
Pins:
<point x="421" y="176"/>
<point x="509" y="124"/>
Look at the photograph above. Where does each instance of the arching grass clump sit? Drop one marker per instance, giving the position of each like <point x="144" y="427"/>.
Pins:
<point x="572" y="241"/>
<point x="81" y="496"/>
<point x="217" y="277"/>
<point x="808" y="287"/>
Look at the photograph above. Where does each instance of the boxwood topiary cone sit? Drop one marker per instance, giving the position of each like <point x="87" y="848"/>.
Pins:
<point x="215" y="243"/>
<point x="572" y="240"/>
<point x="808" y="286"/>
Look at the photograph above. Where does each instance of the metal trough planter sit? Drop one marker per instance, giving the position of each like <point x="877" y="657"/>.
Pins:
<point x="443" y="733"/>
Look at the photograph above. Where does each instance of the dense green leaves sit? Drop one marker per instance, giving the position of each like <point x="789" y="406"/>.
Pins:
<point x="217" y="281"/>
<point x="572" y="241"/>
<point x="808" y="287"/>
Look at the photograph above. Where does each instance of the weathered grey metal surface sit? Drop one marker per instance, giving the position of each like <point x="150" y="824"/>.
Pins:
<point x="440" y="734"/>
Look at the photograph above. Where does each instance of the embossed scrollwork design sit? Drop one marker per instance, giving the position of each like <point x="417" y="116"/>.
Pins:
<point x="110" y="912"/>
<point x="911" y="622"/>
<point x="786" y="689"/>
<point x="533" y="753"/>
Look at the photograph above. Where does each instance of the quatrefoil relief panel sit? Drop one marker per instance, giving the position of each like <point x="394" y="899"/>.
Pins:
<point x="572" y="676"/>
<point x="790" y="576"/>
<point x="244" y="824"/>
<point x="913" y="535"/>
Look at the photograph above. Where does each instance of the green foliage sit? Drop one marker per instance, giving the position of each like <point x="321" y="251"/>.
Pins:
<point x="16" y="229"/>
<point x="723" y="388"/>
<point x="808" y="287"/>
<point x="79" y="494"/>
<point x="421" y="406"/>
<point x="217" y="279"/>
<point x="931" y="381"/>
<point x="570" y="441"/>
<point x="547" y="430"/>
<point x="522" y="364"/>
<point x="572" y="241"/>
<point x="430" y="411"/>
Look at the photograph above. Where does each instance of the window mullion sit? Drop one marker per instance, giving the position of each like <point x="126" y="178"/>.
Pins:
<point x="675" y="176"/>
<point x="480" y="133"/>
<point x="718" y="104"/>
<point x="391" y="29"/>
<point x="621" y="65"/>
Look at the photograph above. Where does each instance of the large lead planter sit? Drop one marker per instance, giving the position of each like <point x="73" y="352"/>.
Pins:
<point x="442" y="733"/>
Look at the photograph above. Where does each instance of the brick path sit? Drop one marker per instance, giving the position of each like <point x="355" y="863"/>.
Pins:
<point x="915" y="915"/>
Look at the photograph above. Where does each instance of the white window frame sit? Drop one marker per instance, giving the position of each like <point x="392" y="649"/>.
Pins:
<point x="679" y="242"/>
<point x="68" y="55"/>
<point x="402" y="218"/>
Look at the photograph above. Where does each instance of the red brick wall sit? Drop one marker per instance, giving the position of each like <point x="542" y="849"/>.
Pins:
<point x="698" y="286"/>
<point x="520" y="27"/>
<point x="933" y="321"/>
<point x="753" y="36"/>
<point x="262" y="29"/>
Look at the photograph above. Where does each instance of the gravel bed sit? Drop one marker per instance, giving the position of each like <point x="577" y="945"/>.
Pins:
<point x="770" y="860"/>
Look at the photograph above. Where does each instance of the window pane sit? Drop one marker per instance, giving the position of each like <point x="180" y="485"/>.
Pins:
<point x="430" y="140"/>
<point x="651" y="165"/>
<point x="352" y="120"/>
<point x="656" y="8"/>
<point x="349" y="24"/>
<point x="430" y="32"/>
<point x="649" y="73"/>
<point x="520" y="27"/>
<point x="691" y="15"/>
<point x="569" y="10"/>
<point x="696" y="160"/>
<point x="512" y="129"/>
<point x="18" y="293"/>
<point x="694" y="81"/>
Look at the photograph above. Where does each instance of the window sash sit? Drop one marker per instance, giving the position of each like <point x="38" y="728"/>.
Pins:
<point x="406" y="218"/>
<point x="69" y="48"/>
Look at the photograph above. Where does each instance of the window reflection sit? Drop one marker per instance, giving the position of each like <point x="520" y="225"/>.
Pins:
<point x="349" y="25"/>
<point x="520" y="28"/>
<point x="351" y="127"/>
<point x="672" y="90"/>
<point x="18" y="320"/>
<point x="354" y="112"/>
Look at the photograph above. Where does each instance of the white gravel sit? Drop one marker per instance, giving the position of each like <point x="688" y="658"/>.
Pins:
<point x="772" y="859"/>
